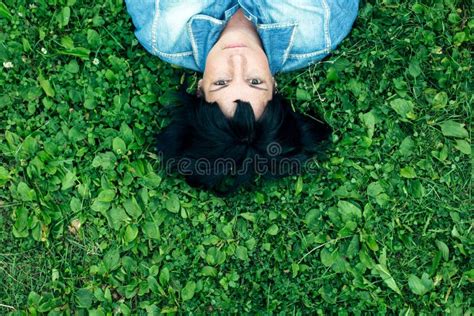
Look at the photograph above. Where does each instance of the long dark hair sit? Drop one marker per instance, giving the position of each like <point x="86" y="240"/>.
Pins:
<point x="216" y="152"/>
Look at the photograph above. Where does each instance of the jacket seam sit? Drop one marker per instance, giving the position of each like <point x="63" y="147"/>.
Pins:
<point x="290" y="45"/>
<point x="154" y="26"/>
<point x="170" y="55"/>
<point x="206" y="17"/>
<point x="327" y="35"/>
<point x="307" y="55"/>
<point x="275" y="25"/>
<point x="193" y="42"/>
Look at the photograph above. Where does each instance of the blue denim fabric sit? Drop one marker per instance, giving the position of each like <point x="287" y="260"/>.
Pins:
<point x="294" y="33"/>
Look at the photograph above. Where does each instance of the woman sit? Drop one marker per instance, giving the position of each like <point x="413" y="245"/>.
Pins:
<point x="237" y="125"/>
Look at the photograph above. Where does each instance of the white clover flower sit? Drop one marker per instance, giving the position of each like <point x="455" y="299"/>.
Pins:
<point x="95" y="61"/>
<point x="44" y="51"/>
<point x="7" y="64"/>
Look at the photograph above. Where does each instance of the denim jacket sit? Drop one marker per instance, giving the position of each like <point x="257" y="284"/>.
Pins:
<point x="294" y="33"/>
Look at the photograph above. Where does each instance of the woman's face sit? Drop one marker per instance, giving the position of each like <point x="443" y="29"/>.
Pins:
<point x="237" y="70"/>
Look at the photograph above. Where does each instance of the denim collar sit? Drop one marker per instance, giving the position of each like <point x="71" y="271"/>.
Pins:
<point x="204" y="31"/>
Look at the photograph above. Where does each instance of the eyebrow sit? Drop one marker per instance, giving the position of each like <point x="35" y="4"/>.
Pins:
<point x="253" y="87"/>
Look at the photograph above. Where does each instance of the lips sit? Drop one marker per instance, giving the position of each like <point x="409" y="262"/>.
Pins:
<point x="234" y="46"/>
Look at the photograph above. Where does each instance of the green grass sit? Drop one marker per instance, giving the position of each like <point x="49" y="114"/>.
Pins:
<point x="89" y="222"/>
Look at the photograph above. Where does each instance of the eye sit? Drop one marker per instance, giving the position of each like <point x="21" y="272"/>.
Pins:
<point x="256" y="82"/>
<point x="220" y="83"/>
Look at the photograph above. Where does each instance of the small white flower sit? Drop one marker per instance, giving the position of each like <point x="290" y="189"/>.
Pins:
<point x="44" y="51"/>
<point x="7" y="64"/>
<point x="32" y="6"/>
<point x="20" y="14"/>
<point x="95" y="61"/>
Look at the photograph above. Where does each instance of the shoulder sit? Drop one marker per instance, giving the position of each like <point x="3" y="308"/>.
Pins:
<point x="320" y="26"/>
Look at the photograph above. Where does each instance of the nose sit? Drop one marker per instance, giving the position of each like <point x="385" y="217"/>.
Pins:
<point x="238" y="62"/>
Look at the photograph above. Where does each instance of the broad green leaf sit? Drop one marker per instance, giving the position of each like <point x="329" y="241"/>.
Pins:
<point x="67" y="42"/>
<point x="117" y="216"/>
<point x="273" y="230"/>
<point x="187" y="292"/>
<point x="26" y="193"/>
<point x="151" y="230"/>
<point x="241" y="253"/>
<point x="4" y="175"/>
<point x="131" y="232"/>
<point x="209" y="271"/>
<point x="164" y="276"/>
<point x="68" y="180"/>
<point x="47" y="88"/>
<point x="369" y="121"/>
<point x="119" y="146"/>
<point x="80" y="52"/>
<point x="72" y="67"/>
<point x="327" y="258"/>
<point x="4" y="12"/>
<point x="353" y="248"/>
<point x="214" y="256"/>
<point x="416" y="188"/>
<point x="153" y="285"/>
<point x="302" y="95"/>
<point x="248" y="216"/>
<point x="331" y="74"/>
<point x="227" y="230"/>
<point x="100" y="207"/>
<point x="443" y="248"/>
<point x="387" y="278"/>
<point x="299" y="186"/>
<point x="84" y="298"/>
<point x="403" y="107"/>
<point x="75" y="134"/>
<point x="126" y="133"/>
<point x="349" y="211"/>
<point x="417" y="8"/>
<point x="463" y="146"/>
<point x="93" y="38"/>
<point x="106" y="195"/>
<point x="407" y="146"/>
<point x="374" y="189"/>
<point x="65" y="16"/>
<point x="408" y="172"/>
<point x="112" y="259"/>
<point x="453" y="129"/>
<point x="21" y="222"/>
<point x="104" y="160"/>
<point x="327" y="293"/>
<point x="172" y="203"/>
<point x="132" y="207"/>
<point x="13" y="139"/>
<point x="414" y="68"/>
<point x="420" y="286"/>
<point x="151" y="180"/>
<point x="347" y="230"/>
<point x="29" y="145"/>
<point x="312" y="218"/>
<point x="459" y="38"/>
<point x="33" y="299"/>
<point x="440" y="100"/>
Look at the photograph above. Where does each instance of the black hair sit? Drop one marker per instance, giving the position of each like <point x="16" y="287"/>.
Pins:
<point x="221" y="153"/>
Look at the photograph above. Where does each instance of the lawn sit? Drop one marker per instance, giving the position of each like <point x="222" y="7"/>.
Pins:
<point x="91" y="224"/>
